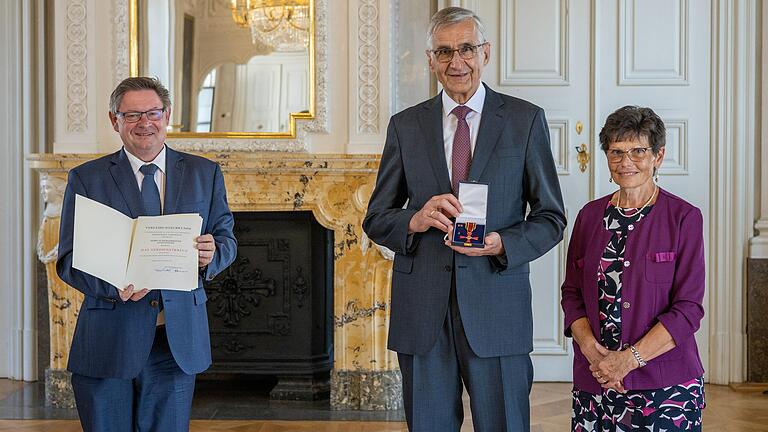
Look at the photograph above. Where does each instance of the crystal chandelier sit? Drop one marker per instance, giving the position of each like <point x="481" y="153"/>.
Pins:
<point x="280" y="24"/>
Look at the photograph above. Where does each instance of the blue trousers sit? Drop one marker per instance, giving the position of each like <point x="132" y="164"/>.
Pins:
<point x="433" y="383"/>
<point x="158" y="399"/>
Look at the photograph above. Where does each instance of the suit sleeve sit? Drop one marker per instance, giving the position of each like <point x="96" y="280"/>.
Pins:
<point x="544" y="225"/>
<point x="81" y="281"/>
<point x="683" y="317"/>
<point x="386" y="221"/>
<point x="220" y="225"/>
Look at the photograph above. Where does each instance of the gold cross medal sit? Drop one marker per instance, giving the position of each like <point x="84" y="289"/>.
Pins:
<point x="469" y="228"/>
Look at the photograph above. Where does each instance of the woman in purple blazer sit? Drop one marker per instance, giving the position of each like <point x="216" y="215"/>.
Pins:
<point x="633" y="292"/>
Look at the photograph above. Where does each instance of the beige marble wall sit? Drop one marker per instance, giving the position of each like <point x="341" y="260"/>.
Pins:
<point x="335" y="188"/>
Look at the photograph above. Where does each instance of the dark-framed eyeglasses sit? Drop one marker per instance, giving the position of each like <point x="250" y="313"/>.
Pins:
<point x="134" y="116"/>
<point x="637" y="154"/>
<point x="466" y="52"/>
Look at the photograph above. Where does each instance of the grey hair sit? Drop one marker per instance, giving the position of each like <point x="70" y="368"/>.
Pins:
<point x="454" y="15"/>
<point x="138" y="83"/>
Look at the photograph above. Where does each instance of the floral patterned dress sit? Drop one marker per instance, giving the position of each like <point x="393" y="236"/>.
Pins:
<point x="674" y="408"/>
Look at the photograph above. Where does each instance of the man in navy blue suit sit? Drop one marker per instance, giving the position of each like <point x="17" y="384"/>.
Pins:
<point x="135" y="353"/>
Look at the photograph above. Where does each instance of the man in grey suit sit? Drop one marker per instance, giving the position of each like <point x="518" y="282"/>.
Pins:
<point x="463" y="315"/>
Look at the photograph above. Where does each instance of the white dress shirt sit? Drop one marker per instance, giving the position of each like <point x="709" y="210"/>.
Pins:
<point x="136" y="164"/>
<point x="450" y="122"/>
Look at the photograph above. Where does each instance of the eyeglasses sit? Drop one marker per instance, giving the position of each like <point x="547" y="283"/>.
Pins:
<point x="135" y="116"/>
<point x="466" y="52"/>
<point x="636" y="154"/>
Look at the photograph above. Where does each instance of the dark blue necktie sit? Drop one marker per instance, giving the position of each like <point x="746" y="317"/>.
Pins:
<point x="150" y="195"/>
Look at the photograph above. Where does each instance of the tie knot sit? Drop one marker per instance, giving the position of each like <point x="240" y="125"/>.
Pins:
<point x="461" y="111"/>
<point x="148" y="169"/>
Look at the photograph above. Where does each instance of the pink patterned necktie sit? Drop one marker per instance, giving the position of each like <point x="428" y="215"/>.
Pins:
<point x="461" y="157"/>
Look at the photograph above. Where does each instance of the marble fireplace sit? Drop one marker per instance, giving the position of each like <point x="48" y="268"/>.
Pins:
<point x="335" y="189"/>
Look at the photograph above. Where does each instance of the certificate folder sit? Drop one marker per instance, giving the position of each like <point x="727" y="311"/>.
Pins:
<point x="469" y="228"/>
<point x="154" y="252"/>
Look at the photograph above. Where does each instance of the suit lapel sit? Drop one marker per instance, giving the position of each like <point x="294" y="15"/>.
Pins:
<point x="431" y="122"/>
<point x="491" y="125"/>
<point x="174" y="178"/>
<point x="123" y="176"/>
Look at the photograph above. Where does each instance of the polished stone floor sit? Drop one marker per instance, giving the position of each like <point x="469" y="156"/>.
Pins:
<point x="214" y="400"/>
<point x="741" y="408"/>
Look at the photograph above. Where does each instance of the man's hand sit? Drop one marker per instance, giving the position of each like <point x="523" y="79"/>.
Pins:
<point x="205" y="249"/>
<point x="129" y="294"/>
<point x="493" y="246"/>
<point x="435" y="213"/>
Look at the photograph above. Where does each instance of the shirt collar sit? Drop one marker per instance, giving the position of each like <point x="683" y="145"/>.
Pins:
<point x="137" y="163"/>
<point x="475" y="103"/>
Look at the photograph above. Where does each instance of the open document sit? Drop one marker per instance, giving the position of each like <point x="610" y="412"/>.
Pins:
<point x="154" y="252"/>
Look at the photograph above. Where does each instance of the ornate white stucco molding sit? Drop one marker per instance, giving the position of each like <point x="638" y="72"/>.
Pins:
<point x="319" y="124"/>
<point x="368" y="67"/>
<point x="121" y="41"/>
<point x="77" y="53"/>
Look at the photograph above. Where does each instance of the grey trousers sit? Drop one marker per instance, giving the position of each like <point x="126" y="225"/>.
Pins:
<point x="498" y="387"/>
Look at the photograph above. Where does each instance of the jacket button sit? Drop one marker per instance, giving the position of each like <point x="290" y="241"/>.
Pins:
<point x="627" y="264"/>
<point x="447" y="268"/>
<point x="626" y="345"/>
<point x="154" y="303"/>
<point x="626" y="305"/>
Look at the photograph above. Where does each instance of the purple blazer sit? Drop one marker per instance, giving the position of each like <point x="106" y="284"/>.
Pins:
<point x="663" y="281"/>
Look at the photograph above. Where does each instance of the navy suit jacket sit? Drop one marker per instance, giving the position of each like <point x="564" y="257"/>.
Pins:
<point x="512" y="154"/>
<point x="113" y="338"/>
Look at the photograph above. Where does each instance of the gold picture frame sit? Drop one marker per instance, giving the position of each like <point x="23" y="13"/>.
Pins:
<point x="135" y="67"/>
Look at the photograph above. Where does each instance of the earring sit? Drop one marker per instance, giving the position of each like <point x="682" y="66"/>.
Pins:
<point x="655" y="174"/>
<point x="610" y="179"/>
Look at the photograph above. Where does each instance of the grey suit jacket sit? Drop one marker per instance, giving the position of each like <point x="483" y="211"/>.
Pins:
<point x="512" y="154"/>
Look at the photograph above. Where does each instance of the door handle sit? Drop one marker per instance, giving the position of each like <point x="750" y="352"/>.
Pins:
<point x="582" y="157"/>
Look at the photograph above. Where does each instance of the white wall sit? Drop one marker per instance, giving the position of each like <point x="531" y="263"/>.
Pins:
<point x="18" y="135"/>
<point x="9" y="133"/>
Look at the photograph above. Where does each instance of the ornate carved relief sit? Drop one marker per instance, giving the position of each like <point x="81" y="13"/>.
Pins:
<point x="241" y="285"/>
<point x="77" y="89"/>
<point x="63" y="301"/>
<point x="122" y="67"/>
<point x="235" y="145"/>
<point x="368" y="67"/>
<point x="320" y="123"/>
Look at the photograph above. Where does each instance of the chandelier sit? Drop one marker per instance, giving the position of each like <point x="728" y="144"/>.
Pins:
<point x="281" y="24"/>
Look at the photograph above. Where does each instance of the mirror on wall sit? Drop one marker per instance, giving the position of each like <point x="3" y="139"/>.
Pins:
<point x="235" y="68"/>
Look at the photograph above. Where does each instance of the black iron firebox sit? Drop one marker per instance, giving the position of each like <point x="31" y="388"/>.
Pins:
<point x="271" y="312"/>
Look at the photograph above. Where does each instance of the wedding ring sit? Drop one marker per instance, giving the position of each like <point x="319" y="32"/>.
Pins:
<point x="432" y="212"/>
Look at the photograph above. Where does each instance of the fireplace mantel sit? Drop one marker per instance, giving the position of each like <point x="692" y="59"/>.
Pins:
<point x="336" y="188"/>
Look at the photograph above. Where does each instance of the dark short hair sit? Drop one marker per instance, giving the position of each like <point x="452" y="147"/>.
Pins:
<point x="633" y="123"/>
<point x="138" y="83"/>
